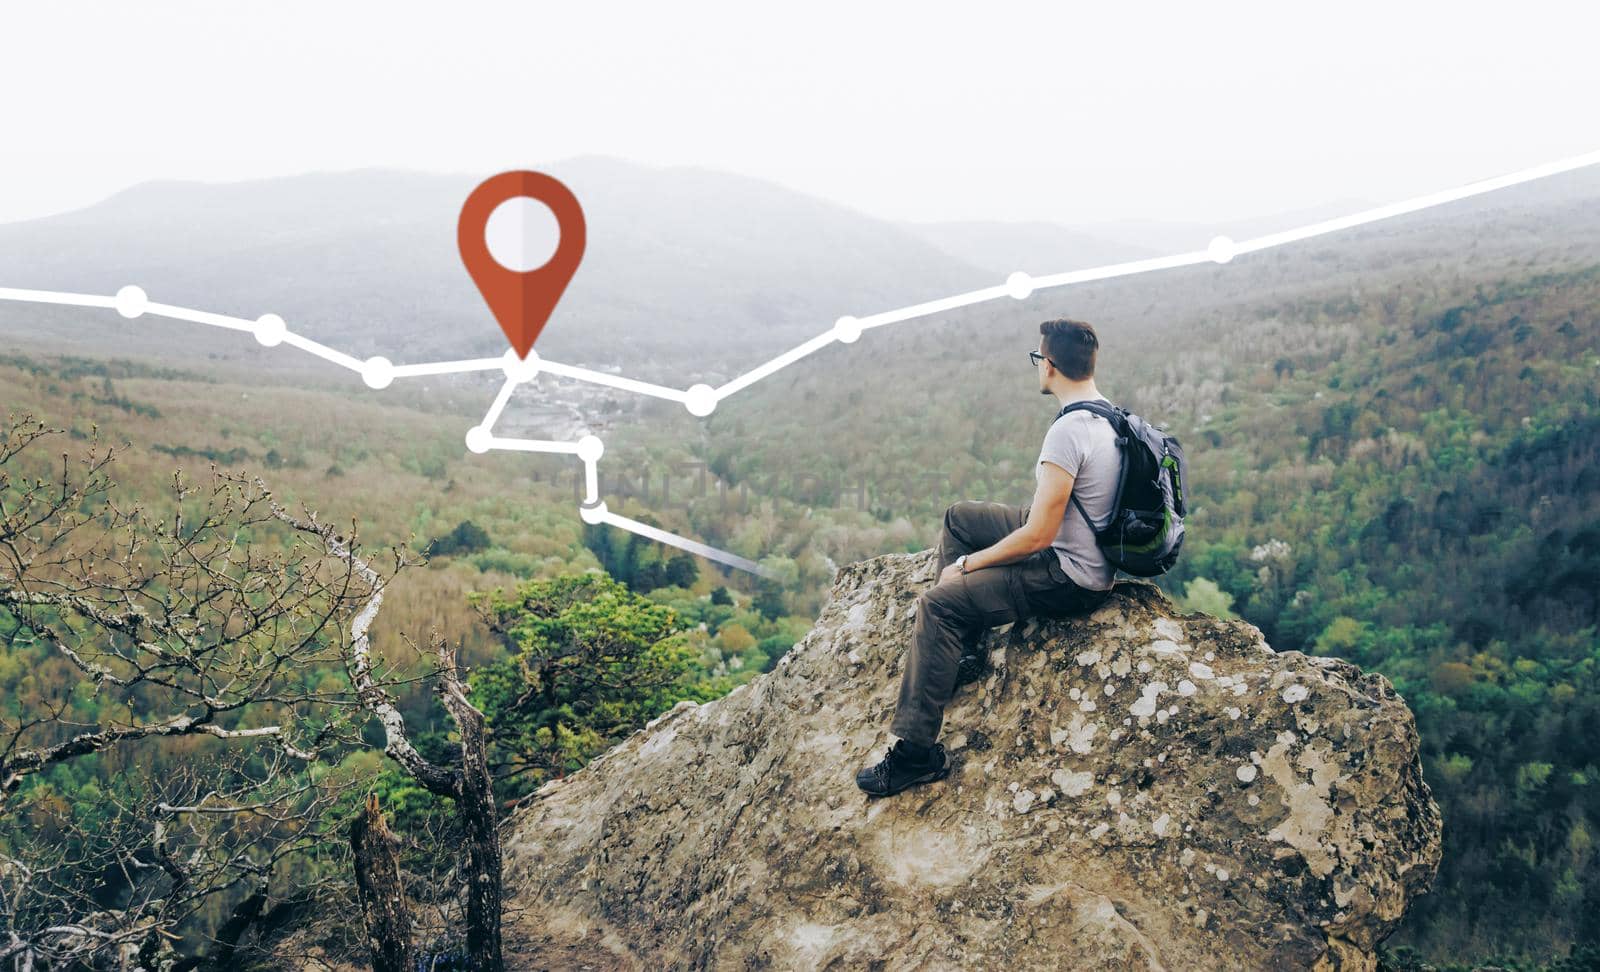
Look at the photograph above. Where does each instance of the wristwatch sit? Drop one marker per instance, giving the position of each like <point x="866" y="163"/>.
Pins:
<point x="961" y="562"/>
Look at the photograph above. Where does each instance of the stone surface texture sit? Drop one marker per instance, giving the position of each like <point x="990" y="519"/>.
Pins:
<point x="1132" y="789"/>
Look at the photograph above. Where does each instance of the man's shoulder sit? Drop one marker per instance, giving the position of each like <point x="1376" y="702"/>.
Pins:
<point x="1085" y="412"/>
<point x="1082" y="416"/>
<point x="1079" y="419"/>
<point x="1079" y="432"/>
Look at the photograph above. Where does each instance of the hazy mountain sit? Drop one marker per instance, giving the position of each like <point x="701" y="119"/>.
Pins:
<point x="1177" y="236"/>
<point x="1042" y="247"/>
<point x="690" y="274"/>
<point x="1035" y="247"/>
<point x="681" y="263"/>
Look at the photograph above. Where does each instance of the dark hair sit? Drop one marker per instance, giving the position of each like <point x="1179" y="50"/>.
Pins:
<point x="1070" y="345"/>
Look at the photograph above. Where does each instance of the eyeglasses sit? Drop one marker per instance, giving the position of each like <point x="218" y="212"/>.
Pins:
<point x="1034" y="357"/>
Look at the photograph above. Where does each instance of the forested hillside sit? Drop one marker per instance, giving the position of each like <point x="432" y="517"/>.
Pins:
<point x="85" y="777"/>
<point x="1405" y="475"/>
<point x="1392" y="435"/>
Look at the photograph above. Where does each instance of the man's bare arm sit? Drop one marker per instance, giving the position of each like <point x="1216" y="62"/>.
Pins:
<point x="1044" y="521"/>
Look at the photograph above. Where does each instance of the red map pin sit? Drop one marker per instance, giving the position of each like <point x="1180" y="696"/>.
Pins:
<point x="521" y="236"/>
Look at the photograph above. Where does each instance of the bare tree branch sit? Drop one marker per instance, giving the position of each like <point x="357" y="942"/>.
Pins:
<point x="147" y="630"/>
<point x="397" y="744"/>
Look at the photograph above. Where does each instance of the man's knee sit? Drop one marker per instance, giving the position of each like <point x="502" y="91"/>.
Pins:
<point x="940" y="600"/>
<point x="957" y="512"/>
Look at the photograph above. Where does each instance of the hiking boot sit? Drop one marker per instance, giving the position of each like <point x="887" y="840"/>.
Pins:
<point x="899" y="770"/>
<point x="971" y="668"/>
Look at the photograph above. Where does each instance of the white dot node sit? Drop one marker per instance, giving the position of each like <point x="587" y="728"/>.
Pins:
<point x="377" y="372"/>
<point x="1221" y="249"/>
<point x="270" y="330"/>
<point x="131" y="301"/>
<point x="847" y="329"/>
<point x="592" y="514"/>
<point x="590" y="448"/>
<point x="479" y="439"/>
<point x="520" y="369"/>
<point x="522" y="234"/>
<point x="702" y="400"/>
<point x="1019" y="285"/>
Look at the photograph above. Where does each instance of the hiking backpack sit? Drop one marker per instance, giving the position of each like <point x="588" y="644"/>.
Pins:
<point x="1145" y="530"/>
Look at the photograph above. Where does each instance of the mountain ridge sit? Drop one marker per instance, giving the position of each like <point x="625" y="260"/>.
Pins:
<point x="692" y="274"/>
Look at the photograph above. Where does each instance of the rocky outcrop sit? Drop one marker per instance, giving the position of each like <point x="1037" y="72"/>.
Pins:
<point x="1132" y="789"/>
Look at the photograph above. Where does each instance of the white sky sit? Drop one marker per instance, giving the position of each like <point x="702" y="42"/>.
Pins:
<point x="978" y="110"/>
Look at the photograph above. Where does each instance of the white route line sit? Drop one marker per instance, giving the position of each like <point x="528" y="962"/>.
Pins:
<point x="612" y="381"/>
<point x="448" y="367"/>
<point x="499" y="404"/>
<point x="702" y="399"/>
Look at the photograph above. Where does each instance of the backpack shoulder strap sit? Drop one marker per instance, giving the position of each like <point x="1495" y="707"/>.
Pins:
<point x="1084" y="513"/>
<point x="1115" y="416"/>
<point x="1099" y="406"/>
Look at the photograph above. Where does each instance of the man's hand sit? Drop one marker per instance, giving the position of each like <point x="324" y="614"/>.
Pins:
<point x="950" y="573"/>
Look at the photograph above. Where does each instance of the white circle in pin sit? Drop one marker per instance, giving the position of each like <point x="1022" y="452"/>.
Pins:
<point x="522" y="234"/>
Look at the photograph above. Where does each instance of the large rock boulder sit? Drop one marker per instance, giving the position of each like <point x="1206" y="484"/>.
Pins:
<point x="1132" y="789"/>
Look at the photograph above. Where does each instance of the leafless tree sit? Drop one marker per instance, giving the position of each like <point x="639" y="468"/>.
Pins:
<point x="469" y="785"/>
<point x="172" y="651"/>
<point x="177" y="642"/>
<point x="198" y="649"/>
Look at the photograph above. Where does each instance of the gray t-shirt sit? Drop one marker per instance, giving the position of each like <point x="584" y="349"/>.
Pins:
<point x="1085" y="445"/>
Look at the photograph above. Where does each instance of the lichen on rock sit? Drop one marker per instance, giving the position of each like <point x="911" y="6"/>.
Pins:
<point x="1132" y="789"/>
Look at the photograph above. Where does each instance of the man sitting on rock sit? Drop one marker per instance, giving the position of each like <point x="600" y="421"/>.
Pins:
<point x="1001" y="563"/>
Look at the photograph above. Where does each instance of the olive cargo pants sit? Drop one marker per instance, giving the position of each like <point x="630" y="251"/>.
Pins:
<point x="951" y="616"/>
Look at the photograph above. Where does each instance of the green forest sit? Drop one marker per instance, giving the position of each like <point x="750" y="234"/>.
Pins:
<point x="1405" y="474"/>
